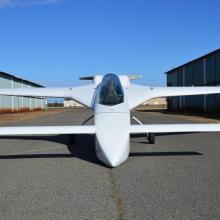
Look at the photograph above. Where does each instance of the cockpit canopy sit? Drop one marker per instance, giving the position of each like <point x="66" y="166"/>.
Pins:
<point x="111" y="91"/>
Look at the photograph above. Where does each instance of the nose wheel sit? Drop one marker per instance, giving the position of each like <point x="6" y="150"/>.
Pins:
<point x="151" y="138"/>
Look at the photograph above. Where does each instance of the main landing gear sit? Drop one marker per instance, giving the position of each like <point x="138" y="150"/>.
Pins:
<point x="150" y="137"/>
<point x="72" y="137"/>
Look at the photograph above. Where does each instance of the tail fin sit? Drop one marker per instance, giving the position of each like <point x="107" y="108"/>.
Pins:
<point x="87" y="78"/>
<point x="131" y="77"/>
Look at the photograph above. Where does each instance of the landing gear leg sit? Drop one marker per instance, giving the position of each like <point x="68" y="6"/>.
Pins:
<point x="151" y="138"/>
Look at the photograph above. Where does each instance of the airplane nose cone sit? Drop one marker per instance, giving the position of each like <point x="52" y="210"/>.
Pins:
<point x="112" y="137"/>
<point x="114" y="161"/>
<point x="113" y="150"/>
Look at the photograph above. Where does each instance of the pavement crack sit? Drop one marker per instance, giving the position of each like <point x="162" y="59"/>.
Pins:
<point x="116" y="197"/>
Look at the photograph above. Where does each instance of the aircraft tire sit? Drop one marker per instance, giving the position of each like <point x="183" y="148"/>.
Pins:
<point x="151" y="138"/>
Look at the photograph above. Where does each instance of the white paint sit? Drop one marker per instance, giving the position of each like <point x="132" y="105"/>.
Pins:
<point x="139" y="122"/>
<point x="112" y="127"/>
<point x="41" y="130"/>
<point x="174" y="128"/>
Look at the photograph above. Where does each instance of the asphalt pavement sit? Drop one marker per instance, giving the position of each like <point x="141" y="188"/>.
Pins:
<point x="46" y="178"/>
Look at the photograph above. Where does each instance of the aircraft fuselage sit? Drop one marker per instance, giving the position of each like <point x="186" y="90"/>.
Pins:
<point x="112" y="122"/>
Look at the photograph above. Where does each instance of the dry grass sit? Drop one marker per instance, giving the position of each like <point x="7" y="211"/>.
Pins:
<point x="25" y="115"/>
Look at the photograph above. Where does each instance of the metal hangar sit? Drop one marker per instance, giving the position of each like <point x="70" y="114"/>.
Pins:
<point x="203" y="71"/>
<point x="19" y="103"/>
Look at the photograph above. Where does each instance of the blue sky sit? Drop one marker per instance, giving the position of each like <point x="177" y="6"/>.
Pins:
<point x="53" y="42"/>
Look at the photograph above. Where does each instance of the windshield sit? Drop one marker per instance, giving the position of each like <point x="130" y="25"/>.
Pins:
<point x="111" y="91"/>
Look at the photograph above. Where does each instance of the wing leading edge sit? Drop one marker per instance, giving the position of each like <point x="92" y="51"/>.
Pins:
<point x="46" y="130"/>
<point x="134" y="129"/>
<point x="138" y="94"/>
<point x="81" y="94"/>
<point x="174" y="128"/>
<point x="183" y="91"/>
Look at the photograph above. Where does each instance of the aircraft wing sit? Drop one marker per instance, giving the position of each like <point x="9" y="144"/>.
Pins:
<point x="174" y="128"/>
<point x="81" y="94"/>
<point x="183" y="91"/>
<point x="46" y="130"/>
<point x="138" y="94"/>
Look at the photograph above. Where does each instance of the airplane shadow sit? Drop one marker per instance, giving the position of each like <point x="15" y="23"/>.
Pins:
<point x="84" y="149"/>
<point x="156" y="135"/>
<point x="162" y="134"/>
<point x="169" y="153"/>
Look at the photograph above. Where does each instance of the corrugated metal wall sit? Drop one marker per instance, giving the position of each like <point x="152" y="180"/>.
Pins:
<point x="173" y="103"/>
<point x="201" y="72"/>
<point x="15" y="103"/>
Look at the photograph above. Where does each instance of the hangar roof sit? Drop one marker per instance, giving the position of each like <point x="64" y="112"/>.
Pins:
<point x="7" y="75"/>
<point x="218" y="50"/>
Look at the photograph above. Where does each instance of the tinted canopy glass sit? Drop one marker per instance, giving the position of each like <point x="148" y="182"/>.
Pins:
<point x="111" y="91"/>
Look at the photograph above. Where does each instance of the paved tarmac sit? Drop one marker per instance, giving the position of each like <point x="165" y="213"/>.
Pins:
<point x="45" y="178"/>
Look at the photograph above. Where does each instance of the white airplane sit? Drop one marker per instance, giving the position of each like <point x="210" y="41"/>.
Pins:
<point x="111" y="97"/>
